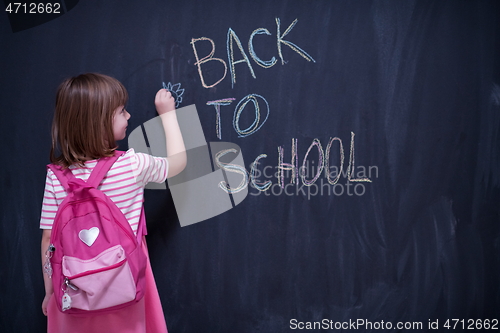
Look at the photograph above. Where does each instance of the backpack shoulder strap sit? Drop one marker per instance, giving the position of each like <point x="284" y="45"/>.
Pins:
<point x="101" y="169"/>
<point x="141" y="227"/>
<point x="64" y="175"/>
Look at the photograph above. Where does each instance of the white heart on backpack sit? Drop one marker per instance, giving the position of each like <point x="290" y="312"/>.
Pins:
<point x="89" y="236"/>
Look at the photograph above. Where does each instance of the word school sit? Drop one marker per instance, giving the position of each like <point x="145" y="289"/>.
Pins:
<point x="323" y="164"/>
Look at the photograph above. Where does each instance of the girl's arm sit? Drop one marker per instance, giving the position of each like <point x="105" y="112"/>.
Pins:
<point x="47" y="281"/>
<point x="176" y="152"/>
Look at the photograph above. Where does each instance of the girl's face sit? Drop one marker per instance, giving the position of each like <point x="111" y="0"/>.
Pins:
<point x="120" y="122"/>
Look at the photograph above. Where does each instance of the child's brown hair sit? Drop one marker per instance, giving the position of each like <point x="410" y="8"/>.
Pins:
<point x="82" y="129"/>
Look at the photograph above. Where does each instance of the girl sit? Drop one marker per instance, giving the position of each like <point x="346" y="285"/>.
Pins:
<point x="90" y="116"/>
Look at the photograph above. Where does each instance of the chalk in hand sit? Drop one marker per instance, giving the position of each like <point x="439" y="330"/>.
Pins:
<point x="176" y="91"/>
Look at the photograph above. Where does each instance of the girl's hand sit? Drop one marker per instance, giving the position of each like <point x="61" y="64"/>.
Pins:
<point x="164" y="101"/>
<point x="45" y="303"/>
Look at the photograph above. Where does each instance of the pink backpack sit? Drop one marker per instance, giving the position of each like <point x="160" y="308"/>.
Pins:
<point x="98" y="263"/>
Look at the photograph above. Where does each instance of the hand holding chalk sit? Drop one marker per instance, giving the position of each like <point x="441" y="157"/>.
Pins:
<point x="164" y="101"/>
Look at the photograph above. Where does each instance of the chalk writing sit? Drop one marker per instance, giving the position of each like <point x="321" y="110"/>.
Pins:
<point x="231" y="35"/>
<point x="260" y="186"/>
<point x="231" y="168"/>
<point x="294" y="167"/>
<point x="290" y="44"/>
<point x="232" y="39"/>
<point x="305" y="170"/>
<point x="327" y="161"/>
<point x="324" y="162"/>
<point x="255" y="125"/>
<point x="321" y="162"/>
<point x="205" y="59"/>
<point x="263" y="63"/>
<point x="351" y="164"/>
<point x="217" y="105"/>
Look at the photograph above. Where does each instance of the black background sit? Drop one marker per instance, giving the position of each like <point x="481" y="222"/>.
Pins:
<point x="416" y="81"/>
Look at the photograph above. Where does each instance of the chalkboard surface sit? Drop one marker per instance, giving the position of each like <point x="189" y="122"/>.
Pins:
<point x="375" y="200"/>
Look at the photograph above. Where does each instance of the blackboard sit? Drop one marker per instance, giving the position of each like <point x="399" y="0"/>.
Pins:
<point x="405" y="93"/>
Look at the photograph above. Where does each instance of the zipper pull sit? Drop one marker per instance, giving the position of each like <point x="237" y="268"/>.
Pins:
<point x="69" y="284"/>
<point x="66" y="302"/>
<point x="66" y="299"/>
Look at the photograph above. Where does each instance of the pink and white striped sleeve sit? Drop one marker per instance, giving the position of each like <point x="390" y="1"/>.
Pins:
<point x="49" y="203"/>
<point x="149" y="169"/>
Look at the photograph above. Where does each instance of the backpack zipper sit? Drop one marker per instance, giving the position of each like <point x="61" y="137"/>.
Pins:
<point x="94" y="271"/>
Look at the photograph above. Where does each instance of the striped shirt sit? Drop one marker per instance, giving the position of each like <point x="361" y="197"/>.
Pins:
<point x="123" y="184"/>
